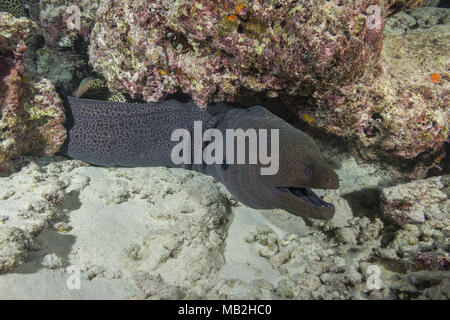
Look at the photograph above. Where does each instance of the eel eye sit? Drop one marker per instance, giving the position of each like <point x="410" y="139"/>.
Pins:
<point x="308" y="172"/>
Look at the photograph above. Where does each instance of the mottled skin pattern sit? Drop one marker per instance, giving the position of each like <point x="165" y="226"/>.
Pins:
<point x="15" y="7"/>
<point x="126" y="134"/>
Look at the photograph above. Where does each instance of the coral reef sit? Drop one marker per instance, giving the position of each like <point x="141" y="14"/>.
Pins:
<point x="169" y="233"/>
<point x="64" y="68"/>
<point x="62" y="56"/>
<point x="419" y="18"/>
<point x="323" y="55"/>
<point x="325" y="61"/>
<point x="403" y="112"/>
<point x="417" y="201"/>
<point x="32" y="114"/>
<point x="14" y="7"/>
<point x="215" y="50"/>
<point x="58" y="19"/>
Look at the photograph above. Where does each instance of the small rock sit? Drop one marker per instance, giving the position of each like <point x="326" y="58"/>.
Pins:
<point x="154" y="287"/>
<point x="52" y="261"/>
<point x="62" y="227"/>
<point x="409" y="203"/>
<point x="346" y="235"/>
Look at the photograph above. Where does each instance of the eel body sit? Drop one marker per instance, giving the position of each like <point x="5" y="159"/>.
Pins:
<point x="130" y="134"/>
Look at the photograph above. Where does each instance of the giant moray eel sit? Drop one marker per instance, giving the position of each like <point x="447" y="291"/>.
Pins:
<point x="129" y="134"/>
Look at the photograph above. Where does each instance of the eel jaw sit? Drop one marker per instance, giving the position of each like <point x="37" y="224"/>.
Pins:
<point x="306" y="198"/>
<point x="306" y="195"/>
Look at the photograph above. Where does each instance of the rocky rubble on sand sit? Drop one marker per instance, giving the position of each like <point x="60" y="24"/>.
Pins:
<point x="171" y="233"/>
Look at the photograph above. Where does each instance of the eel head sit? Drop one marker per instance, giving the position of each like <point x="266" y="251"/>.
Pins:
<point x="301" y="168"/>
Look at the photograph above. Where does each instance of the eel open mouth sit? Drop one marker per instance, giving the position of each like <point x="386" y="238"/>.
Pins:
<point x="306" y="195"/>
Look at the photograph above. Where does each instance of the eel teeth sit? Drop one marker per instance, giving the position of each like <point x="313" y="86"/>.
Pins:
<point x="307" y="195"/>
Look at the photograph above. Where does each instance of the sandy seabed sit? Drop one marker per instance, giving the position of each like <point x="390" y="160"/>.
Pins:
<point x="158" y="233"/>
